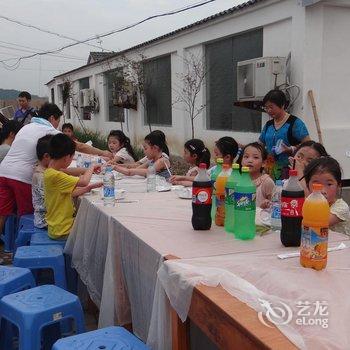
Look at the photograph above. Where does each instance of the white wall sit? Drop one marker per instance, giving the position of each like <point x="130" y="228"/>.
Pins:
<point x="318" y="39"/>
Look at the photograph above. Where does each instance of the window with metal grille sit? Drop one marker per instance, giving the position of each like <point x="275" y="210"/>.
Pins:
<point x="115" y="114"/>
<point x="157" y="78"/>
<point x="85" y="112"/>
<point x="221" y="85"/>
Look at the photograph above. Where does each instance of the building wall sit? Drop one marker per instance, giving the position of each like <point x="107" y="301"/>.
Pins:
<point x="317" y="38"/>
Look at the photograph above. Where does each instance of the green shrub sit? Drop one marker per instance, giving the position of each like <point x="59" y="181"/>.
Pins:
<point x="98" y="140"/>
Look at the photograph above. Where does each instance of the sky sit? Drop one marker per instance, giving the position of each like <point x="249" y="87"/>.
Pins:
<point x="80" y="19"/>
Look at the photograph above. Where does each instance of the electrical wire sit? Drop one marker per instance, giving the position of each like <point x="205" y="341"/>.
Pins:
<point x="23" y="24"/>
<point x="183" y="9"/>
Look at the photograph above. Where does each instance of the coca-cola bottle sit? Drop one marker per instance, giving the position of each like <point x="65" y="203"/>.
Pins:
<point x="292" y="201"/>
<point x="201" y="199"/>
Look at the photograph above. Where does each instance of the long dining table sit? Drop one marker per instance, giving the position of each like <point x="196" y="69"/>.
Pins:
<point x="117" y="252"/>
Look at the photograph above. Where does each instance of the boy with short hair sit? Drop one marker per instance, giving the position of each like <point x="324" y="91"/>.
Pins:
<point x="59" y="188"/>
<point x="42" y="151"/>
<point x="7" y="136"/>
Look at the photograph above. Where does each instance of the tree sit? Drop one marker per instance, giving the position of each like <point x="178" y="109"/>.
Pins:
<point x="192" y="81"/>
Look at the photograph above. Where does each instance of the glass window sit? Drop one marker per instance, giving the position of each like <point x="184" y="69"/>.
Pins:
<point x="115" y="114"/>
<point x="158" y="91"/>
<point x="221" y="61"/>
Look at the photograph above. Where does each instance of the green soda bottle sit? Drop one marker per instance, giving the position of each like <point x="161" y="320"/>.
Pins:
<point x="245" y="207"/>
<point x="214" y="175"/>
<point x="229" y="200"/>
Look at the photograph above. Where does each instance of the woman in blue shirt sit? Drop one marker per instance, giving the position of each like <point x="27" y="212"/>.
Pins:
<point x="281" y="134"/>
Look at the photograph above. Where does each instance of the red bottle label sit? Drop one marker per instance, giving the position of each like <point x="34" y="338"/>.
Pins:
<point x="292" y="207"/>
<point x="201" y="195"/>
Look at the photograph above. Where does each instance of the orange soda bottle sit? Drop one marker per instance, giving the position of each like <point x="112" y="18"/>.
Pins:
<point x="220" y="186"/>
<point x="314" y="236"/>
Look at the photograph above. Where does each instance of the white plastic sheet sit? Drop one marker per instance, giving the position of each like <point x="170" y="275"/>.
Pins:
<point x="260" y="276"/>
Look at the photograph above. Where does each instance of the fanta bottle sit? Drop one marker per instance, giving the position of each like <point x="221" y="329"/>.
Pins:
<point x="214" y="175"/>
<point x="314" y="237"/>
<point x="245" y="207"/>
<point x="229" y="200"/>
<point x="220" y="195"/>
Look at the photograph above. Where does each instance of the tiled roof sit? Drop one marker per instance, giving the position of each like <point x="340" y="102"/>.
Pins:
<point x="198" y="23"/>
<point x="98" y="56"/>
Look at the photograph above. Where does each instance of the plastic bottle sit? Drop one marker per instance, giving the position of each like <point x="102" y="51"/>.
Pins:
<point x="229" y="200"/>
<point x="201" y="199"/>
<point x="245" y="207"/>
<point x="276" y="207"/>
<point x="80" y="162"/>
<point x="220" y="194"/>
<point x="151" y="178"/>
<point x="292" y="201"/>
<point x="214" y="175"/>
<point x="314" y="237"/>
<point x="108" y="188"/>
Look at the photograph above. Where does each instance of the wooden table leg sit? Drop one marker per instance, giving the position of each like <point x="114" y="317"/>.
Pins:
<point x="180" y="332"/>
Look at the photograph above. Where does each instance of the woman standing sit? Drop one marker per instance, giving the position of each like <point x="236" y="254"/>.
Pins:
<point x="281" y="134"/>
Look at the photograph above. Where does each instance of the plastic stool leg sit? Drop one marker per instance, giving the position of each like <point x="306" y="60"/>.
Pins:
<point x="29" y="339"/>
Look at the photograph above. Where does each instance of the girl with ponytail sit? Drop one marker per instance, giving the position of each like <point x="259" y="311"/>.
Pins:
<point x="195" y="153"/>
<point x="119" y="145"/>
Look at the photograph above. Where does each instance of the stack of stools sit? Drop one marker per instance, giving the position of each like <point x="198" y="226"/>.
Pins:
<point x="116" y="338"/>
<point x="43" y="257"/>
<point x="25" y="230"/>
<point x="34" y="309"/>
<point x="9" y="233"/>
<point x="41" y="238"/>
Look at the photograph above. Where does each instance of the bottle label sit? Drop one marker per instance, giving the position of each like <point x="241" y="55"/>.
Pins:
<point x="220" y="200"/>
<point x="108" y="192"/>
<point x="244" y="201"/>
<point x="276" y="211"/>
<point x="292" y="207"/>
<point x="230" y="196"/>
<point x="201" y="195"/>
<point x="314" y="243"/>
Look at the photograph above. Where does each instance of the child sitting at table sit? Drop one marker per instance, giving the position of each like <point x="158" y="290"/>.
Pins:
<point x="154" y="145"/>
<point x="327" y="172"/>
<point x="119" y="145"/>
<point x="60" y="188"/>
<point x="226" y="148"/>
<point x="195" y="153"/>
<point x="254" y="157"/>
<point x="42" y="152"/>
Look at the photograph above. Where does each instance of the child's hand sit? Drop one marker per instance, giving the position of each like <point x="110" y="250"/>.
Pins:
<point x="265" y="204"/>
<point x="173" y="179"/>
<point x="96" y="168"/>
<point x="106" y="154"/>
<point x="95" y="185"/>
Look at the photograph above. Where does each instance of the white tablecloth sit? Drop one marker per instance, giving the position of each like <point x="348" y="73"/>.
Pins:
<point x="118" y="250"/>
<point x="259" y="278"/>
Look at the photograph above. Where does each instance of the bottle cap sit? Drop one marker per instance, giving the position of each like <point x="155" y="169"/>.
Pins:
<point x="293" y="172"/>
<point x="279" y="183"/>
<point x="245" y="169"/>
<point x="219" y="160"/>
<point x="226" y="166"/>
<point x="202" y="166"/>
<point x="235" y="166"/>
<point x="317" y="187"/>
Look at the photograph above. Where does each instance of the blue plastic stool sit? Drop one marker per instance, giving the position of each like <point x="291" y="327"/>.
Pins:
<point x="42" y="238"/>
<point x="32" y="309"/>
<point x="111" y="338"/>
<point x="26" y="221"/>
<point x="14" y="279"/>
<point x="43" y="257"/>
<point x="9" y="233"/>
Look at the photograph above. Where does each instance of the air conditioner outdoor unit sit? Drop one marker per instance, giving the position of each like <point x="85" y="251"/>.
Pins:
<point x="87" y="98"/>
<point x="258" y="76"/>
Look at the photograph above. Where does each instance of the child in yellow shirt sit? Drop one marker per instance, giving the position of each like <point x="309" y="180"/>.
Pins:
<point x="60" y="188"/>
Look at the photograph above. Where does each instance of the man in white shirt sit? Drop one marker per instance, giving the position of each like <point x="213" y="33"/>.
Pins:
<point x="16" y="170"/>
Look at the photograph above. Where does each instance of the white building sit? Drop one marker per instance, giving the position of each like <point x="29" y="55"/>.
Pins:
<point x="316" y="33"/>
